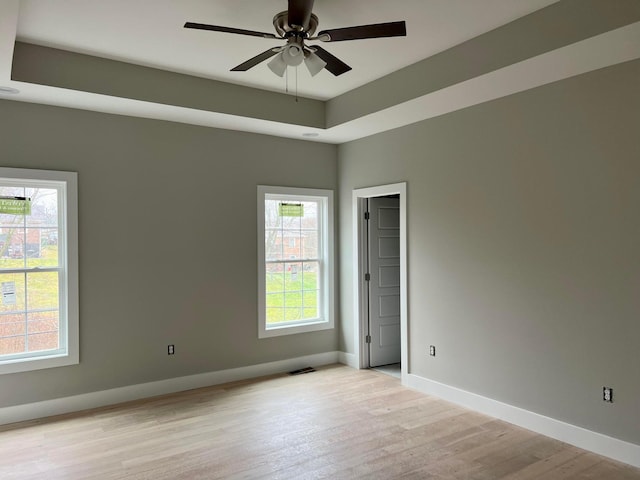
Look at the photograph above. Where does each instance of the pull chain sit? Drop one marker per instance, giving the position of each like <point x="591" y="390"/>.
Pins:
<point x="286" y="87"/>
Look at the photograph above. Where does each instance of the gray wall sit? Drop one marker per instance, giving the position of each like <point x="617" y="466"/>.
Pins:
<point x="523" y="236"/>
<point x="168" y="252"/>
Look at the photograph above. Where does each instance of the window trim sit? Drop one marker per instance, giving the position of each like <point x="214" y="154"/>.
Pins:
<point x="327" y="262"/>
<point x="68" y="273"/>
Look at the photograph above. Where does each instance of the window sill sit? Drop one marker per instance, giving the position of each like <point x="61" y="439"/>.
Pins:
<point x="294" y="329"/>
<point x="37" y="363"/>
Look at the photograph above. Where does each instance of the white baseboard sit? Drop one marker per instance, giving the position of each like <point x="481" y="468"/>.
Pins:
<point x="580" y="437"/>
<point x="58" y="406"/>
<point x="348" y="359"/>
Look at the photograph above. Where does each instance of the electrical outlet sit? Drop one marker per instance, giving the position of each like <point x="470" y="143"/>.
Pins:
<point x="607" y="394"/>
<point x="432" y="350"/>
<point x="171" y="350"/>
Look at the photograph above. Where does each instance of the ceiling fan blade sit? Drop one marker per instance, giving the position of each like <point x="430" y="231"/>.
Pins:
<point x="252" y="62"/>
<point x="239" y="31"/>
<point x="300" y="13"/>
<point x="334" y="64"/>
<point x="391" y="29"/>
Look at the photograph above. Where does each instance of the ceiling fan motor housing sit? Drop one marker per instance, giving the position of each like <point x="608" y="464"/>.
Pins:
<point x="285" y="30"/>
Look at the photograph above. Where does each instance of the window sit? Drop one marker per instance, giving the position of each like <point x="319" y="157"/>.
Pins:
<point x="38" y="269"/>
<point x="295" y="260"/>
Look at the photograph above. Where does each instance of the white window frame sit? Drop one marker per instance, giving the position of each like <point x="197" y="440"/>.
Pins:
<point x="68" y="353"/>
<point x="326" y="254"/>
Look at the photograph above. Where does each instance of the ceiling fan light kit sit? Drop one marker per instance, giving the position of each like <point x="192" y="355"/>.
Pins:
<point x="292" y="55"/>
<point x="278" y="65"/>
<point x="297" y="25"/>
<point x="314" y="63"/>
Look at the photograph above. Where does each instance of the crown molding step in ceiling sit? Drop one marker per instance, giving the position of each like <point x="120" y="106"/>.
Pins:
<point x="490" y="56"/>
<point x="84" y="73"/>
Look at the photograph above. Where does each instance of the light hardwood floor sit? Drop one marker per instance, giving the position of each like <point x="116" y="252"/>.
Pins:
<point x="336" y="423"/>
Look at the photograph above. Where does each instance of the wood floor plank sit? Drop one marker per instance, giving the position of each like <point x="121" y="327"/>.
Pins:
<point x="336" y="423"/>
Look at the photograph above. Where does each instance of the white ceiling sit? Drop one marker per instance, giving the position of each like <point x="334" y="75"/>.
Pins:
<point x="151" y="33"/>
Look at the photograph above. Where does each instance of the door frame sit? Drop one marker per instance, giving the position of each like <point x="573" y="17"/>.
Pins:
<point x="361" y="349"/>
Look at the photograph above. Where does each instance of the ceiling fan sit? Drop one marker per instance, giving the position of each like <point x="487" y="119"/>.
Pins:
<point x="297" y="25"/>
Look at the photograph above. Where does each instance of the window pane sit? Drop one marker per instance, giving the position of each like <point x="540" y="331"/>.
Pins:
<point x="42" y="291"/>
<point x="310" y="290"/>
<point x="275" y="300"/>
<point x="44" y="207"/>
<point x="310" y="313"/>
<point x="292" y="314"/>
<point x="12" y="291"/>
<point x="12" y="247"/>
<point x="13" y="325"/>
<point x="309" y="234"/>
<point x="291" y="248"/>
<point x="293" y="299"/>
<point x="275" y="315"/>
<point x="272" y="218"/>
<point x="9" y="224"/>
<point x="41" y="243"/>
<point x="310" y="275"/>
<point x="310" y="244"/>
<point x="310" y="218"/>
<point x="33" y="243"/>
<point x="273" y="244"/>
<point x="43" y="322"/>
<point x="290" y="223"/>
<point x="311" y="303"/>
<point x="11" y="220"/>
<point x="8" y="221"/>
<point x="44" y="332"/>
<point x="12" y="333"/>
<point x="42" y="311"/>
<point x="274" y="280"/>
<point x="46" y="254"/>
<point x="293" y="276"/>
<point x="43" y="341"/>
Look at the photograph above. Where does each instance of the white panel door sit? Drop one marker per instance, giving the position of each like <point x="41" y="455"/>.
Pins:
<point x="384" y="282"/>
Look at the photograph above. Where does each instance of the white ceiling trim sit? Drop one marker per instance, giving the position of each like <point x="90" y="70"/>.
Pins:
<point x="62" y="97"/>
<point x="8" y="26"/>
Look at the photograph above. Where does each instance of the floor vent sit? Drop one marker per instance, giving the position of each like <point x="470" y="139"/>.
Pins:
<point x="302" y="370"/>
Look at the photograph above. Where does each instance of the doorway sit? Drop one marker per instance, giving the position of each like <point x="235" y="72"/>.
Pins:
<point x="380" y="268"/>
<point x="382" y="277"/>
